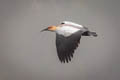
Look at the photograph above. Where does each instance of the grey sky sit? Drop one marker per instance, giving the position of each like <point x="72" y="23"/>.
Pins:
<point x="27" y="54"/>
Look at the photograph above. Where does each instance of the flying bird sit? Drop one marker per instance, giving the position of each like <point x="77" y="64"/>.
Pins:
<point x="68" y="35"/>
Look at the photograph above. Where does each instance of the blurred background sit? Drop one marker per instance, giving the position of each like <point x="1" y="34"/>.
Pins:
<point x="27" y="54"/>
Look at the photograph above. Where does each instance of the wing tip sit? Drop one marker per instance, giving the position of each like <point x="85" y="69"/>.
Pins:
<point x="66" y="59"/>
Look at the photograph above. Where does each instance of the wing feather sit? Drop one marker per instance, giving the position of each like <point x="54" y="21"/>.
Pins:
<point x="66" y="46"/>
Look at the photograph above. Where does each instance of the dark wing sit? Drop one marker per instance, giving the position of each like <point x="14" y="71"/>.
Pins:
<point x="66" y="46"/>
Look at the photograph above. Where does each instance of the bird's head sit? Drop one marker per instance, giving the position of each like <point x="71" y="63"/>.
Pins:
<point x="50" y="28"/>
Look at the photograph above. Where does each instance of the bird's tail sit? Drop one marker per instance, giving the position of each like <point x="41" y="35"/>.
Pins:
<point x="93" y="34"/>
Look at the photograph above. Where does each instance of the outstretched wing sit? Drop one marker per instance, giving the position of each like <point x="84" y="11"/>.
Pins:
<point x="66" y="46"/>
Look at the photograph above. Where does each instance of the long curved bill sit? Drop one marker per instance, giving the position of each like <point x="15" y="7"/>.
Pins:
<point x="46" y="29"/>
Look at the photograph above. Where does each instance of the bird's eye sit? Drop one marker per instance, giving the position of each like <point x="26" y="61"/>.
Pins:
<point x="62" y="23"/>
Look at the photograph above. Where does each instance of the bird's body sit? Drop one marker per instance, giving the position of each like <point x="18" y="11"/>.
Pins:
<point x="68" y="35"/>
<point x="67" y="28"/>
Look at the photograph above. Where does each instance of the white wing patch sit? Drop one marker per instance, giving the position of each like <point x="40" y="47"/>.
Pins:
<point x="67" y="30"/>
<point x="72" y="23"/>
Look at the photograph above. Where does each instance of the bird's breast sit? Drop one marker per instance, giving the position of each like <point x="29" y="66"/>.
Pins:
<point x="66" y="31"/>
